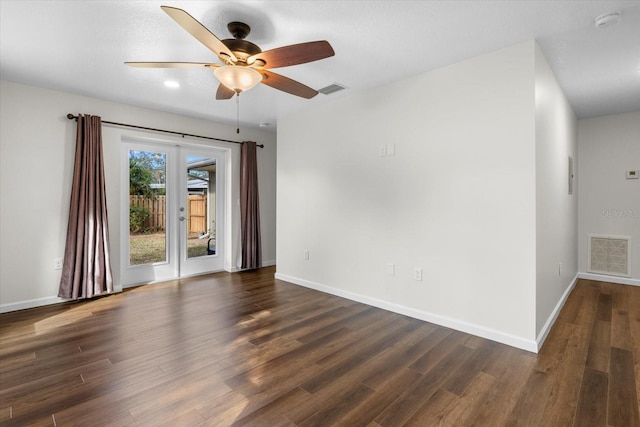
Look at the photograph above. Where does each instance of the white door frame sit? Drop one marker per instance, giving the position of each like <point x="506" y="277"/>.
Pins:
<point x="171" y="268"/>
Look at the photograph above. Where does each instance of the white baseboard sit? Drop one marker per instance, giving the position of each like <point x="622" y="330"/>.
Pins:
<point x="610" y="279"/>
<point x="235" y="269"/>
<point x="38" y="302"/>
<point x="542" y="336"/>
<point x="460" y="325"/>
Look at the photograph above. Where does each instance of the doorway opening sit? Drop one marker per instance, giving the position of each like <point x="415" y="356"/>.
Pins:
<point x="173" y="211"/>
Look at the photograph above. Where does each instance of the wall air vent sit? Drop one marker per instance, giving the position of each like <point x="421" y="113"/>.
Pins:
<point x="609" y="255"/>
<point x="333" y="88"/>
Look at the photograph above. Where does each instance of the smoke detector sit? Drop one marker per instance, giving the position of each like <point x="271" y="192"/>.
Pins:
<point x="607" y="19"/>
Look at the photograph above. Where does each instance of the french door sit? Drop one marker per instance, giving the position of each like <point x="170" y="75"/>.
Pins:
<point x="172" y="211"/>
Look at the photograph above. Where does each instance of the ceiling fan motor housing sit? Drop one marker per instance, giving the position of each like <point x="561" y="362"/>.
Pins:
<point x="240" y="47"/>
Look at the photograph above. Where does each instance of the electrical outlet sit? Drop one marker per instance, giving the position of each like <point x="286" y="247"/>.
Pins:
<point x="382" y="151"/>
<point x="306" y="254"/>
<point x="391" y="149"/>
<point x="417" y="274"/>
<point x="57" y="264"/>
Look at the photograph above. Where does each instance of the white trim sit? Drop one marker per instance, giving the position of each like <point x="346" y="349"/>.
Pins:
<point x="460" y="325"/>
<point x="611" y="279"/>
<point x="32" y="303"/>
<point x="187" y="276"/>
<point x="542" y="336"/>
<point x="39" y="302"/>
<point x="264" y="264"/>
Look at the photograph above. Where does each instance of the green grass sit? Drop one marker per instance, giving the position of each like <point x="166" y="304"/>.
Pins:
<point x="150" y="248"/>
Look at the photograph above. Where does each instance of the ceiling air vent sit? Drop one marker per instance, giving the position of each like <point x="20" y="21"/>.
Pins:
<point x="328" y="90"/>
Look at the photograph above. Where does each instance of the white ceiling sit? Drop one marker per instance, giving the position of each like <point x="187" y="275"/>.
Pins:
<point x="80" y="47"/>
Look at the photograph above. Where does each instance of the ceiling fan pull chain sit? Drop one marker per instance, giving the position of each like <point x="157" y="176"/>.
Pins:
<point x="237" y="112"/>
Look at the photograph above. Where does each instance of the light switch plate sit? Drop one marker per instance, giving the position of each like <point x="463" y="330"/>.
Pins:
<point x="391" y="269"/>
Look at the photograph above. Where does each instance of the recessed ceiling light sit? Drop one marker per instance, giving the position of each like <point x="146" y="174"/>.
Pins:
<point x="172" y="84"/>
<point x="607" y="19"/>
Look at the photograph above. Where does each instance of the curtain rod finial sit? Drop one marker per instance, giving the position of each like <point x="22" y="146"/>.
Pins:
<point x="70" y="116"/>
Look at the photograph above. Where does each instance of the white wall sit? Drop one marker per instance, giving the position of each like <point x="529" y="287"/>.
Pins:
<point x="458" y="198"/>
<point x="36" y="166"/>
<point x="556" y="209"/>
<point x="609" y="204"/>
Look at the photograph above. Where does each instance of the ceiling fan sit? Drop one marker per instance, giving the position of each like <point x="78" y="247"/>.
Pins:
<point x="244" y="64"/>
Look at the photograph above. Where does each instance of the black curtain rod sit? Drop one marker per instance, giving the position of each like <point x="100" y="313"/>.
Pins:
<point x="72" y="117"/>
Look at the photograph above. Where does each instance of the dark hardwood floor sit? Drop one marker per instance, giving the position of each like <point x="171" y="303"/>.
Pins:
<point x="246" y="349"/>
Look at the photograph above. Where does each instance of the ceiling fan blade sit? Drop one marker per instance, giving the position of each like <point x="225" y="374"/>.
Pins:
<point x="199" y="31"/>
<point x="172" y="64"/>
<point x="224" y="92"/>
<point x="286" y="84"/>
<point x="294" y="54"/>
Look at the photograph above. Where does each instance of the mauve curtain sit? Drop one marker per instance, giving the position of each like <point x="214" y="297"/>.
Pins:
<point x="86" y="271"/>
<point x="250" y="207"/>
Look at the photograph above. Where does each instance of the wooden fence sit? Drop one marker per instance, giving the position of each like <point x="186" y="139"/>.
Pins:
<point x="157" y="206"/>
<point x="197" y="214"/>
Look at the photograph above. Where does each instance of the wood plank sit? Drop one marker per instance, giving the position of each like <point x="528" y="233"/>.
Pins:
<point x="269" y="414"/>
<point x="568" y="373"/>
<point x="367" y="411"/>
<point x="604" y="308"/>
<point x="254" y="398"/>
<point x="333" y="391"/>
<point x="434" y="409"/>
<point x="495" y="406"/>
<point x="623" y="401"/>
<point x="465" y="374"/>
<point x="461" y="410"/>
<point x="405" y="356"/>
<point x="431" y="358"/>
<point x="620" y="323"/>
<point x="403" y="408"/>
<point x="593" y="392"/>
<point x="366" y="349"/>
<point x="293" y="359"/>
<point x="336" y="409"/>
<point x="634" y="324"/>
<point x="599" y="346"/>
<point x="529" y="408"/>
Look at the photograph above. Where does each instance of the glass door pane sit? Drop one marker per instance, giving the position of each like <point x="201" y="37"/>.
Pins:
<point x="200" y="206"/>
<point x="201" y="210"/>
<point x="147" y="207"/>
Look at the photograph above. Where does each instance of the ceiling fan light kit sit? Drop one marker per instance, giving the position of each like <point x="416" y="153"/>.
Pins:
<point x="238" y="78"/>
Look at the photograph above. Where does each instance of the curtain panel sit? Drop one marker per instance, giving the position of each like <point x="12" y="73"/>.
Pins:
<point x="250" y="207"/>
<point x="86" y="270"/>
